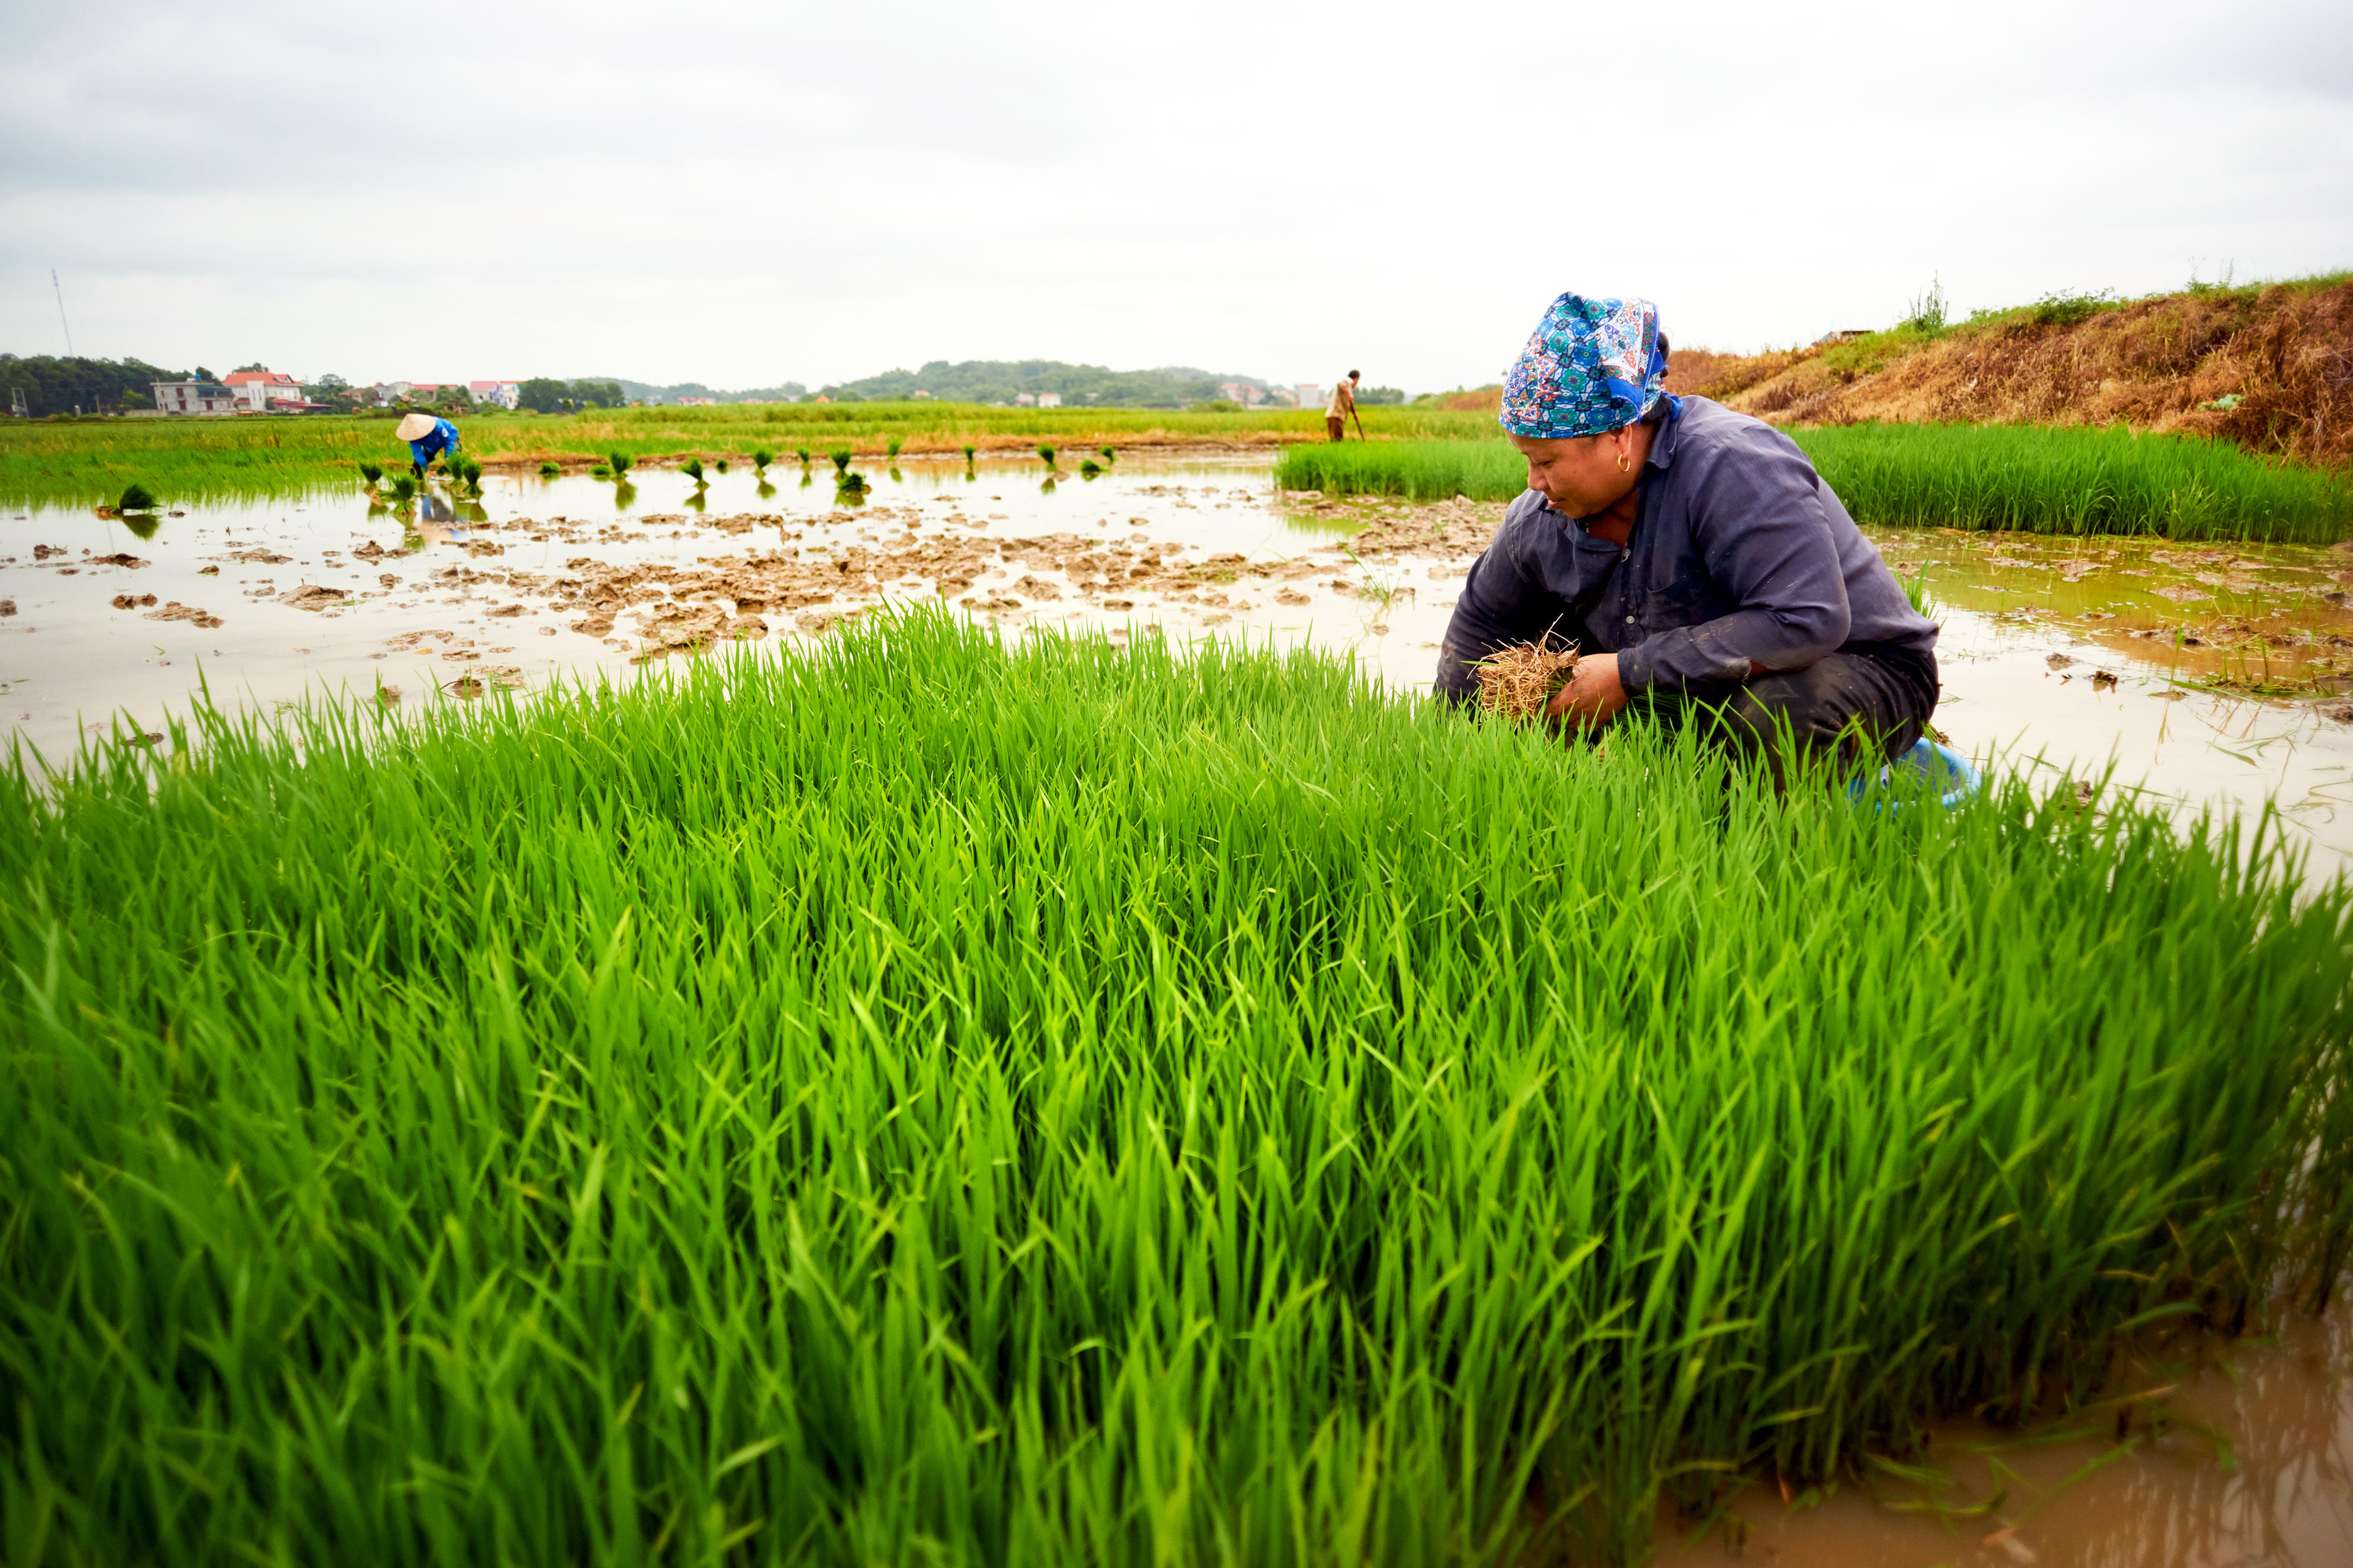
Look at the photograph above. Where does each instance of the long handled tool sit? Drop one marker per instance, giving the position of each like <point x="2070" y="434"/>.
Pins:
<point x="1359" y="419"/>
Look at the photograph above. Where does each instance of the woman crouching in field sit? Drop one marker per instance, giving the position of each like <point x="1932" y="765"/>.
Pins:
<point x="1692" y="553"/>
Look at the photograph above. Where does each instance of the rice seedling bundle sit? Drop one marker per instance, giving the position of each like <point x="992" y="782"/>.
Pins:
<point x="841" y="456"/>
<point x="549" y="470"/>
<point x="1089" y="468"/>
<point x="762" y="457"/>
<point x="893" y="443"/>
<point x="693" y="470"/>
<point x="1520" y="681"/>
<point x="619" y="462"/>
<point x="803" y="454"/>
<point x="599" y="471"/>
<point x="135" y="496"/>
<point x="371" y="475"/>
<point x="1108" y="455"/>
<point x="909" y="1099"/>
<point x="2036" y="479"/>
<point x="969" y="450"/>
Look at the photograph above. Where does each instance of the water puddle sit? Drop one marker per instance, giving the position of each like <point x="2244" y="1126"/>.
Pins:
<point x="2207" y="675"/>
<point x="2239" y="1457"/>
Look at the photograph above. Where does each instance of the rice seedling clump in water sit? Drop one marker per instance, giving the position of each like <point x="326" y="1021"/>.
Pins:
<point x="911" y="1099"/>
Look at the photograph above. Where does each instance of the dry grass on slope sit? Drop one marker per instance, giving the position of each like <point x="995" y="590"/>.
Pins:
<point x="2281" y="356"/>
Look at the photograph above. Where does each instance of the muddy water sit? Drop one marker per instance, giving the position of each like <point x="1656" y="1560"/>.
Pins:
<point x="2207" y="676"/>
<point x="2235" y="1456"/>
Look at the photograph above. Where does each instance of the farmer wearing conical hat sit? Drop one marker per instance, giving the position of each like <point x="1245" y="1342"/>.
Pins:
<point x="429" y="438"/>
<point x="1692" y="553"/>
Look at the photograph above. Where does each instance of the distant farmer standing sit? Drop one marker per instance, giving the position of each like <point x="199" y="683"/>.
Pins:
<point x="1342" y="404"/>
<point x="1706" y="570"/>
<point x="427" y="438"/>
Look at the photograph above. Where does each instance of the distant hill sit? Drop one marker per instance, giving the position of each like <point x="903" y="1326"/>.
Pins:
<point x="1079" y="385"/>
<point x="646" y="392"/>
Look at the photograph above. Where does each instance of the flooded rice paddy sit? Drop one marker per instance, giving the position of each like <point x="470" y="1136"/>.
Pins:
<point x="2208" y="675"/>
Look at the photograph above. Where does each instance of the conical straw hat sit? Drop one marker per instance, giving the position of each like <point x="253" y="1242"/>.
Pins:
<point x="415" y="427"/>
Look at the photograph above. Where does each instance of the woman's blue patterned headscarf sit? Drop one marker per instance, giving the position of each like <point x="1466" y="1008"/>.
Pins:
<point x="1592" y="366"/>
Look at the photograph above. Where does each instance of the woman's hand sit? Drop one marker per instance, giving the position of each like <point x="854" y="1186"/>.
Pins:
<point x="1593" y="696"/>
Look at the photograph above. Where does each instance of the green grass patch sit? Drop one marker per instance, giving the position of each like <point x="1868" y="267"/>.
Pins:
<point x="917" y="1100"/>
<point x="185" y="459"/>
<point x="2066" y="479"/>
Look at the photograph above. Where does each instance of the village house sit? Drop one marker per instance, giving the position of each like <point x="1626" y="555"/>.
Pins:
<point x="1241" y="392"/>
<point x="194" y="397"/>
<point x="1049" y="400"/>
<point x="507" y="395"/>
<point x="257" y="389"/>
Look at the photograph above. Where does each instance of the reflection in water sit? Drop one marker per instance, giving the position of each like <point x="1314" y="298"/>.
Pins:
<point x="472" y="512"/>
<point x="696" y="500"/>
<point x="764" y="491"/>
<point x="436" y="509"/>
<point x="1048" y="487"/>
<point x="807" y="479"/>
<point x="623" y="494"/>
<point x="896" y="477"/>
<point x="850" y="495"/>
<point x="142" y="524"/>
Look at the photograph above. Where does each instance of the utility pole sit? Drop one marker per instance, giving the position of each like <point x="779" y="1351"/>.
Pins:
<point x="61" y="312"/>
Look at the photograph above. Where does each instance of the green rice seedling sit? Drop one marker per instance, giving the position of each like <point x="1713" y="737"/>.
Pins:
<point x="841" y="456"/>
<point x="761" y="459"/>
<point x="719" y="464"/>
<point x="969" y="450"/>
<point x="892" y="444"/>
<point x="599" y="471"/>
<point x="803" y="454"/>
<point x="404" y="488"/>
<point x="1046" y="452"/>
<point x="619" y="462"/>
<point x="471" y="472"/>
<point x="135" y="496"/>
<point x="850" y="480"/>
<point x="693" y="470"/>
<point x="2033" y="479"/>
<point x="912" y="1098"/>
<point x="1108" y="455"/>
<point x="1089" y="468"/>
<point x="371" y="475"/>
<point x="549" y="470"/>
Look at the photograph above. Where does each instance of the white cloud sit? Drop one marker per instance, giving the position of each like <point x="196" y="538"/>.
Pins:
<point x="742" y="194"/>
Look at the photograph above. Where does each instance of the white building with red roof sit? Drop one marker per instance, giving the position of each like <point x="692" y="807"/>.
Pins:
<point x="505" y="394"/>
<point x="259" y="388"/>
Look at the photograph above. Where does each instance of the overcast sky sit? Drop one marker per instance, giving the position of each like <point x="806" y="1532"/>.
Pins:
<point x="743" y="195"/>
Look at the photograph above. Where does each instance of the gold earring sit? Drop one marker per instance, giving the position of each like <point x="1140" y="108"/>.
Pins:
<point x="1623" y="466"/>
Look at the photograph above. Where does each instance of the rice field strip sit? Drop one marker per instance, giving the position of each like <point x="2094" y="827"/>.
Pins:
<point x="918" y="1096"/>
<point x="90" y="462"/>
<point x="2029" y="478"/>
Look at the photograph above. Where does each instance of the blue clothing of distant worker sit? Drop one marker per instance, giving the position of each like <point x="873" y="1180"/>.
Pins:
<point x="442" y="438"/>
<point x="427" y="438"/>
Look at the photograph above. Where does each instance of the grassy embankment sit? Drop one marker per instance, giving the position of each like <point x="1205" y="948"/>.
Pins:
<point x="179" y="460"/>
<point x="2036" y="480"/>
<point x="2261" y="365"/>
<point x="914" y="1102"/>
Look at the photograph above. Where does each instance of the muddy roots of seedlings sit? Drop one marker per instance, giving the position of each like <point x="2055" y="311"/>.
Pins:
<point x="1517" y="682"/>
